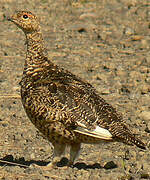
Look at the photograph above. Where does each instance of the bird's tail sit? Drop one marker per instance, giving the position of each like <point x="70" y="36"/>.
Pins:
<point x="123" y="134"/>
<point x="131" y="139"/>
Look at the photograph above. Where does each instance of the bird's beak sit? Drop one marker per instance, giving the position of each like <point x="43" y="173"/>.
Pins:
<point x="9" y="19"/>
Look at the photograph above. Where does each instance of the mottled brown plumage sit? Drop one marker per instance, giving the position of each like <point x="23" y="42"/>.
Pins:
<point x="66" y="109"/>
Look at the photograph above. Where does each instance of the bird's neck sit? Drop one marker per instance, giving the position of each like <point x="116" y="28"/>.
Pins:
<point x="36" y="52"/>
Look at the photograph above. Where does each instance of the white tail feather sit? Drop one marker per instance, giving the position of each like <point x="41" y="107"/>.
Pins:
<point x="98" y="132"/>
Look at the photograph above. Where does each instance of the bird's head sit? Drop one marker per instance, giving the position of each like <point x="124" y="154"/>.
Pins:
<point x="25" y="20"/>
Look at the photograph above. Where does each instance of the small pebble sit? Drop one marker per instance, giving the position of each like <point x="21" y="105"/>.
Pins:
<point x="129" y="31"/>
<point x="87" y="15"/>
<point x="145" y="115"/>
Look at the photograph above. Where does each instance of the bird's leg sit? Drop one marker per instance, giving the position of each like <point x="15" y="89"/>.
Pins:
<point x="58" y="151"/>
<point x="74" y="153"/>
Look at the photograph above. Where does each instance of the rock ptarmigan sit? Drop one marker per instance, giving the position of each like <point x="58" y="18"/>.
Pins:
<point x="63" y="107"/>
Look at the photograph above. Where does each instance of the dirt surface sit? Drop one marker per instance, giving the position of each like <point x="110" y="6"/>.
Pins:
<point x="106" y="42"/>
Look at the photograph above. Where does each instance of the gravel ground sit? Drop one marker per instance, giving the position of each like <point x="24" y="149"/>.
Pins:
<point x="107" y="44"/>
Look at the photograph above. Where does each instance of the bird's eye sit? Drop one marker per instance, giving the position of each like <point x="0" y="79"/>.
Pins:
<point x="25" y="16"/>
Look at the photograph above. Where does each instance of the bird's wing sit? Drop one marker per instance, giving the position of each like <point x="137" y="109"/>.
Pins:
<point x="81" y="103"/>
<point x="77" y="107"/>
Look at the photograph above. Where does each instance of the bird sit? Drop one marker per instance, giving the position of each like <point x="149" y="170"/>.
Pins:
<point x="66" y="109"/>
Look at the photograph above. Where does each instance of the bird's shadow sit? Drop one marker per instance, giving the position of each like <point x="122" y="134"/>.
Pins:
<point x="9" y="160"/>
<point x="79" y="165"/>
<point x="84" y="166"/>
